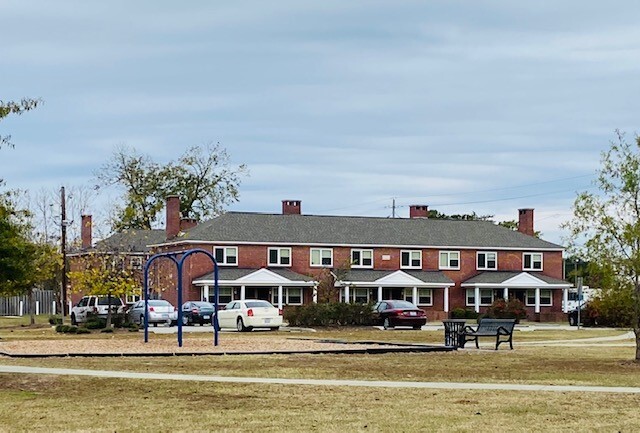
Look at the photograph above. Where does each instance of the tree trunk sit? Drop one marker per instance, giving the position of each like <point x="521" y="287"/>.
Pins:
<point x="32" y="308"/>
<point x="109" y="310"/>
<point x="637" y="332"/>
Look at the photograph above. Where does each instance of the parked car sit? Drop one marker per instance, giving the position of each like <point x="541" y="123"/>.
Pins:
<point x="588" y="316"/>
<point x="97" y="305"/>
<point x="394" y="312"/>
<point x="249" y="314"/>
<point x="197" y="312"/>
<point x="160" y="311"/>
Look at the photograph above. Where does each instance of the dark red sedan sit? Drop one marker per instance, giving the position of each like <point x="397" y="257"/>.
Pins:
<point x="399" y="313"/>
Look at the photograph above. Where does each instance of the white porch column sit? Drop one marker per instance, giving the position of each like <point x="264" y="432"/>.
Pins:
<point x="476" y="300"/>
<point x="446" y="299"/>
<point x="565" y="300"/>
<point x="346" y="294"/>
<point x="70" y="304"/>
<point x="53" y="307"/>
<point x="537" y="299"/>
<point x="315" y="294"/>
<point x="505" y="294"/>
<point x="280" y="297"/>
<point x="37" y="308"/>
<point x="242" y="293"/>
<point x="414" y="296"/>
<point x="205" y="293"/>
<point x="379" y="293"/>
<point x="21" y="308"/>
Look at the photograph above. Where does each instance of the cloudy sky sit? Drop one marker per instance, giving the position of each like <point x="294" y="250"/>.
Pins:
<point x="485" y="106"/>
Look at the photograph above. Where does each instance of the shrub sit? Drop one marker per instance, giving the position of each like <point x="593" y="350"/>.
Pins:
<point x="66" y="329"/>
<point x="511" y="309"/>
<point x="461" y="313"/>
<point x="610" y="308"/>
<point x="55" y="320"/>
<point x="329" y="314"/>
<point x="107" y="330"/>
<point x="83" y="331"/>
<point x="95" y="322"/>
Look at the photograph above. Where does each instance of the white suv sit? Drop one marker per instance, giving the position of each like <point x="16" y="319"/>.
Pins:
<point x="96" y="305"/>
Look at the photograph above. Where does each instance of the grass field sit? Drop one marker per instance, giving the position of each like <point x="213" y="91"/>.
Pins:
<point x="30" y="402"/>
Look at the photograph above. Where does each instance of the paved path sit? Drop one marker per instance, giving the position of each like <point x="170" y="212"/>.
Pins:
<point x="16" y="369"/>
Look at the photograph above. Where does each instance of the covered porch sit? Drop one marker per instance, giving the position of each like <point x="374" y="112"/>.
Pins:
<point x="279" y="286"/>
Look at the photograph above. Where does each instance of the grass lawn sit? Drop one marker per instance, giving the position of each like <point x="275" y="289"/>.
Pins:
<point x="31" y="402"/>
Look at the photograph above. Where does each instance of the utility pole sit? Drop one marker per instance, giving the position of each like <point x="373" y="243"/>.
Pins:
<point x="393" y="208"/>
<point x="63" y="228"/>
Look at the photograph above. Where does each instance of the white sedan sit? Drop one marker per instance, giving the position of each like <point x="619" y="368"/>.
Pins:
<point x="248" y="314"/>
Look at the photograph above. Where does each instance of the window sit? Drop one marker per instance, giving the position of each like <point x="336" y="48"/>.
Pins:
<point x="290" y="296"/>
<point x="425" y="297"/>
<point x="361" y="296"/>
<point x="226" y="255"/>
<point x="449" y="259"/>
<point x="487" y="261"/>
<point x="545" y="297"/>
<point x="225" y="295"/>
<point x="321" y="257"/>
<point x="486" y="296"/>
<point x="362" y="258"/>
<point x="280" y="256"/>
<point x="130" y="299"/>
<point x="411" y="259"/>
<point x="532" y="261"/>
<point x="135" y="263"/>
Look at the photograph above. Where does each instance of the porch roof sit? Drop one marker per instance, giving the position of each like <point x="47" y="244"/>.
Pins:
<point x="255" y="277"/>
<point x="515" y="280"/>
<point x="400" y="278"/>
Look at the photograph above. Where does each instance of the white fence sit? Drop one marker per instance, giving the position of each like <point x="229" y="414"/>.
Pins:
<point x="44" y="302"/>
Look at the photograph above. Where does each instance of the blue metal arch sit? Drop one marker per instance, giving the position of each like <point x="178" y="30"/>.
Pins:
<point x="179" y="262"/>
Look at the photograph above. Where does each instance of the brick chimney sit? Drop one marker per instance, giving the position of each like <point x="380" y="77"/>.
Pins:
<point x="418" y="211"/>
<point x="291" y="207"/>
<point x="173" y="216"/>
<point x="187" y="223"/>
<point x="525" y="221"/>
<point x="85" y="232"/>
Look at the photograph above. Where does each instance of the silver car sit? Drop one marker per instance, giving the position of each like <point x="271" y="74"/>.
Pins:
<point x="160" y="311"/>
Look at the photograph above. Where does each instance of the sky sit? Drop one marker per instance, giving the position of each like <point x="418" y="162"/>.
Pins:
<point x="464" y="106"/>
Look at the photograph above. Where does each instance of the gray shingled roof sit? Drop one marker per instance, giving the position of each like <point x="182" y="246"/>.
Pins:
<point x="344" y="230"/>
<point x="492" y="277"/>
<point x="131" y="241"/>
<point x="369" y="276"/>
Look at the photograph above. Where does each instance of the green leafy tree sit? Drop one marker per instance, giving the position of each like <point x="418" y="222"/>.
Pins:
<point x="103" y="274"/>
<point x="12" y="107"/>
<point x="434" y="214"/>
<point x="202" y="177"/>
<point x="605" y="228"/>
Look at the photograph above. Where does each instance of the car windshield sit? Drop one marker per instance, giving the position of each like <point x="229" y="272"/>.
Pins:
<point x="402" y="304"/>
<point x="105" y="301"/>
<point x="259" y="304"/>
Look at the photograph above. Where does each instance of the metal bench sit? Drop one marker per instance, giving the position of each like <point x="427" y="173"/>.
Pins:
<point x="489" y="328"/>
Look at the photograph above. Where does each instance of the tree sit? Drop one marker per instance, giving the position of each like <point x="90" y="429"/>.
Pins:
<point x="18" y="108"/>
<point x="434" y="214"/>
<point x="104" y="274"/>
<point x="605" y="228"/>
<point x="202" y="177"/>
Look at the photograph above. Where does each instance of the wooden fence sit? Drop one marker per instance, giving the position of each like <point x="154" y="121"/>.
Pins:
<point x="43" y="303"/>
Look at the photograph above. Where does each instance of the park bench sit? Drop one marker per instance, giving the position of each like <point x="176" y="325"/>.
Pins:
<point x="502" y="329"/>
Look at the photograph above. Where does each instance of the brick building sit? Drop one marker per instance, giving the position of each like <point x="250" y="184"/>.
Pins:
<point x="437" y="264"/>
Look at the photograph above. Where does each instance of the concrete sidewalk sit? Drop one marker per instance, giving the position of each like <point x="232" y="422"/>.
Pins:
<point x="17" y="369"/>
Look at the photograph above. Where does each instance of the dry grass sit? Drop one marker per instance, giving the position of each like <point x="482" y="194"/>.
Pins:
<point x="29" y="403"/>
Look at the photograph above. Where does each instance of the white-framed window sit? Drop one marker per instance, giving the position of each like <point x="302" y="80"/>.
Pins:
<point x="133" y="297"/>
<point x="546" y="297"/>
<point x="360" y="296"/>
<point x="410" y="259"/>
<point x="226" y="255"/>
<point x="449" y="259"/>
<point x="531" y="261"/>
<point x="135" y="262"/>
<point x="425" y="296"/>
<point x="486" y="260"/>
<point x="486" y="297"/>
<point x="279" y="256"/>
<point x="362" y="258"/>
<point x="225" y="295"/>
<point x="290" y="296"/>
<point x="322" y="257"/>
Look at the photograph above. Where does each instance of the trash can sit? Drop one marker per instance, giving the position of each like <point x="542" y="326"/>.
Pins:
<point x="451" y="328"/>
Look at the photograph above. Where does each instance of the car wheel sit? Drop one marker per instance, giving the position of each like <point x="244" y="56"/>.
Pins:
<point x="417" y="327"/>
<point x="185" y="320"/>
<point x="74" y="322"/>
<point x="572" y="321"/>
<point x="141" y="320"/>
<point x="274" y="329"/>
<point x="240" y="325"/>
<point x="386" y="324"/>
